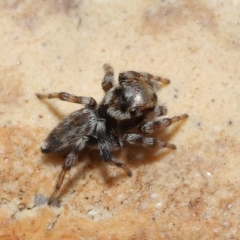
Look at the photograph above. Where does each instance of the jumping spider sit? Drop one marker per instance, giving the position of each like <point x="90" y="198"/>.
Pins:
<point x="127" y="107"/>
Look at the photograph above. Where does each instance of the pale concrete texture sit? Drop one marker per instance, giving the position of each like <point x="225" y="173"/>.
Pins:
<point x="188" y="193"/>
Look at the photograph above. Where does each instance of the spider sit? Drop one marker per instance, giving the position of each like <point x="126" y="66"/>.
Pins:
<point x="125" y="114"/>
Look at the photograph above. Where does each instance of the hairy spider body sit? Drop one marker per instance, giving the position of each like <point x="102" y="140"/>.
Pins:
<point x="130" y="105"/>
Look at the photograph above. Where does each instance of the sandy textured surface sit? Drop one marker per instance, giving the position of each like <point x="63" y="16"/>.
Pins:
<point x="189" y="193"/>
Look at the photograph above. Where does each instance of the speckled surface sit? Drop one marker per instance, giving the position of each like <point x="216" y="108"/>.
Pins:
<point x="189" y="193"/>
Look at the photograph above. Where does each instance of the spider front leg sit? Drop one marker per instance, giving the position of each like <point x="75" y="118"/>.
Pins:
<point x="138" y="140"/>
<point x="107" y="82"/>
<point x="154" y="126"/>
<point x="104" y="148"/>
<point x="69" y="98"/>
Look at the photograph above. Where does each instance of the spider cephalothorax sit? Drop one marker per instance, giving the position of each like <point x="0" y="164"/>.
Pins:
<point x="130" y="105"/>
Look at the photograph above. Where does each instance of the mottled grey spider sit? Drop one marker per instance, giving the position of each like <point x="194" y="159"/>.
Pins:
<point x="130" y="105"/>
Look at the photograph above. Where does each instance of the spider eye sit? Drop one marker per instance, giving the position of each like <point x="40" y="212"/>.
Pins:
<point x="133" y="111"/>
<point x="122" y="78"/>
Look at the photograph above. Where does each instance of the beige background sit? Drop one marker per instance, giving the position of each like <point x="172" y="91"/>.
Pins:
<point x="190" y="193"/>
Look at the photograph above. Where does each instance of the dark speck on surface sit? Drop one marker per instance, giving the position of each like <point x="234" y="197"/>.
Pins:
<point x="40" y="200"/>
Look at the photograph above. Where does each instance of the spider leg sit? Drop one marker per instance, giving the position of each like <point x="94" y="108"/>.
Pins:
<point x="104" y="148"/>
<point x="107" y="82"/>
<point x="69" y="98"/>
<point x="138" y="140"/>
<point x="68" y="162"/>
<point x="153" y="126"/>
<point x="160" y="111"/>
<point x="155" y="78"/>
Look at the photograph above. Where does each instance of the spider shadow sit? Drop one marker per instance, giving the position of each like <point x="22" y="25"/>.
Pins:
<point x="67" y="186"/>
<point x="148" y="155"/>
<point x="58" y="159"/>
<point x="135" y="156"/>
<point x="92" y="160"/>
<point x="89" y="161"/>
<point x="60" y="115"/>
